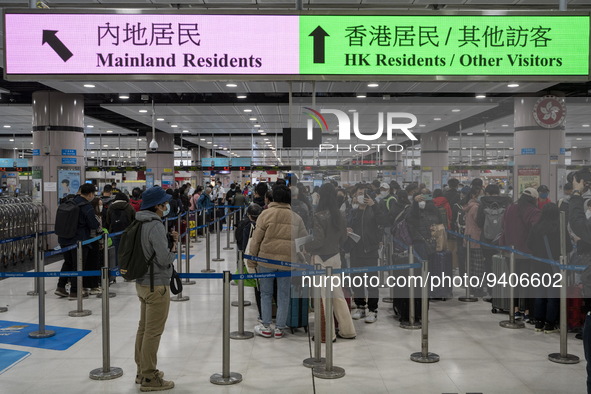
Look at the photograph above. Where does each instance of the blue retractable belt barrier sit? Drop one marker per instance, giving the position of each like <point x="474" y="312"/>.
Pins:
<point x="48" y="274"/>
<point x="278" y="262"/>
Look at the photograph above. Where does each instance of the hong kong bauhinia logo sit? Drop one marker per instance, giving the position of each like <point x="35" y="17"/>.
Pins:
<point x="394" y="121"/>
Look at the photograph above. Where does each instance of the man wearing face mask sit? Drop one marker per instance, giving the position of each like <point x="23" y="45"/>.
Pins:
<point x="154" y="305"/>
<point x="384" y="192"/>
<point x="364" y="220"/>
<point x="543" y="199"/>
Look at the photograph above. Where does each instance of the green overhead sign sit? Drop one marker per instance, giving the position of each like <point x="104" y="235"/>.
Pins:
<point x="444" y="45"/>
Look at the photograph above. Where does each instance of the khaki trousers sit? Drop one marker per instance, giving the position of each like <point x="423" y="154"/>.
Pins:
<point x="153" y="314"/>
<point x="340" y="308"/>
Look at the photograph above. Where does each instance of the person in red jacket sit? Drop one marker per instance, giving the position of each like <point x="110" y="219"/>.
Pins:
<point x="543" y="196"/>
<point x="441" y="201"/>
<point x="518" y="220"/>
<point x="136" y="198"/>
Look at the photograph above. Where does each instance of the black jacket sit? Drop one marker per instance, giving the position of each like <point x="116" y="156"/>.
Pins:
<point x="582" y="229"/>
<point x="86" y="221"/>
<point x="420" y="220"/>
<point x="366" y="222"/>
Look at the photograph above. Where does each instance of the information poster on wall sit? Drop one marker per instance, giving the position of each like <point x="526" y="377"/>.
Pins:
<point x="444" y="177"/>
<point x="167" y="181"/>
<point x="528" y="176"/>
<point x="68" y="179"/>
<point x="149" y="180"/>
<point x="427" y="179"/>
<point x="37" y="184"/>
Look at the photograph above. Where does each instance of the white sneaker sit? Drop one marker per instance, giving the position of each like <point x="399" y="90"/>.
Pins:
<point x="279" y="333"/>
<point x="263" y="331"/>
<point x="96" y="291"/>
<point x="371" y="317"/>
<point x="358" y="314"/>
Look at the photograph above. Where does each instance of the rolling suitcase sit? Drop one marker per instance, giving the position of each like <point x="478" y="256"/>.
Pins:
<point x="298" y="308"/>
<point x="440" y="264"/>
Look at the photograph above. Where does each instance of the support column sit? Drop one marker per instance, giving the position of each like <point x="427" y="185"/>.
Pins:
<point x="197" y="154"/>
<point x="538" y="143"/>
<point x="161" y="162"/>
<point x="58" y="134"/>
<point x="434" y="157"/>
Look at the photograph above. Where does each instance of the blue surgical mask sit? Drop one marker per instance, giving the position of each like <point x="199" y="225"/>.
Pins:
<point x="166" y="211"/>
<point x="543" y="196"/>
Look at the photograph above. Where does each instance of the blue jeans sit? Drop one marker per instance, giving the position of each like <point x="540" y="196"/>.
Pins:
<point x="283" y="295"/>
<point x="587" y="349"/>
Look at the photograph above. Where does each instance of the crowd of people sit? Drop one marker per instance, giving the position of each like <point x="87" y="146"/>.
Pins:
<point x="348" y="227"/>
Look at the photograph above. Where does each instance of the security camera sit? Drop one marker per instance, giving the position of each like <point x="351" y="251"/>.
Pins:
<point x="46" y="150"/>
<point x="153" y="146"/>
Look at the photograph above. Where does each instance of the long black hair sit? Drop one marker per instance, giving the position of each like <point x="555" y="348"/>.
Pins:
<point x="474" y="192"/>
<point x="328" y="202"/>
<point x="550" y="217"/>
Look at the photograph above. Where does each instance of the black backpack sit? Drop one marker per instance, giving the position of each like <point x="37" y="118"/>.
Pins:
<point x="239" y="232"/>
<point x="119" y="220"/>
<point x="132" y="262"/>
<point x="66" y="218"/>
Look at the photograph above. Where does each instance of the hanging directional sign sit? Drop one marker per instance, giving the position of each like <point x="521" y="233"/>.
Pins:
<point x="164" y="45"/>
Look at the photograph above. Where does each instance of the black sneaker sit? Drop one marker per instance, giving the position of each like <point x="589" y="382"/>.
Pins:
<point x="550" y="328"/>
<point x="539" y="326"/>
<point x="61" y="292"/>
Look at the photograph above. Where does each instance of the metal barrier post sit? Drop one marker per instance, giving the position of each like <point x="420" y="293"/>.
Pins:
<point x="35" y="290"/>
<point x="241" y="334"/>
<point x="39" y="260"/>
<point x="328" y="370"/>
<point x="317" y="360"/>
<point x="226" y="377"/>
<point x="218" y="232"/>
<point x="106" y="262"/>
<point x="179" y="262"/>
<point x="411" y="324"/>
<point x="388" y="253"/>
<point x="235" y="221"/>
<point x="563" y="357"/>
<point x="424" y="356"/>
<point x="79" y="312"/>
<point x="207" y="251"/>
<point x="240" y="269"/>
<point x="197" y="224"/>
<point x="188" y="281"/>
<point x="511" y="323"/>
<point x="229" y="218"/>
<point x="468" y="297"/>
<point x="106" y="372"/>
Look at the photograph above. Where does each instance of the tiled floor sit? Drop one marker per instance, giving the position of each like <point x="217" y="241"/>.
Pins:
<point x="477" y="356"/>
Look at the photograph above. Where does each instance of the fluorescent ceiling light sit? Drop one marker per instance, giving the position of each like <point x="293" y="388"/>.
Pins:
<point x="480" y="96"/>
<point x="174" y="126"/>
<point x="455" y="110"/>
<point x="109" y="131"/>
<point x="88" y="85"/>
<point x="513" y="85"/>
<point x="90" y="126"/>
<point x="231" y="85"/>
<point x="91" y="143"/>
<point x="248" y="110"/>
<point x="123" y="96"/>
<point x="373" y="85"/>
<point x="241" y="96"/>
<point x="253" y="119"/>
<point x="143" y="111"/>
<point x="160" y="119"/>
<point x="185" y="131"/>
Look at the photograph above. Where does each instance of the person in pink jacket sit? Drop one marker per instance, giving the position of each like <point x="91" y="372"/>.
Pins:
<point x="475" y="258"/>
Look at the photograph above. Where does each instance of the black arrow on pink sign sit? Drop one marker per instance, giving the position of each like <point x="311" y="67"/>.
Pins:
<point x="49" y="37"/>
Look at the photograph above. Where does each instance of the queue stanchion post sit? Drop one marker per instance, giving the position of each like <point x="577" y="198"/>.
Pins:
<point x="80" y="311"/>
<point x="511" y="323"/>
<point x="226" y="377"/>
<point x="411" y="324"/>
<point x="106" y="262"/>
<point x="179" y="262"/>
<point x="468" y="297"/>
<point x="240" y="269"/>
<point x="197" y="224"/>
<point x="317" y="358"/>
<point x="229" y="218"/>
<point x="328" y="370"/>
<point x="207" y="268"/>
<point x="424" y="356"/>
<point x="235" y="220"/>
<point x="388" y="258"/>
<point x="107" y="372"/>
<point x="563" y="357"/>
<point x="35" y="290"/>
<point x="39" y="261"/>
<point x="188" y="281"/>
<point x="217" y="240"/>
<point x="241" y="334"/>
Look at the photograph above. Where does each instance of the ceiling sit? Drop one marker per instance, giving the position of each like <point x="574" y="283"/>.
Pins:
<point x="209" y="113"/>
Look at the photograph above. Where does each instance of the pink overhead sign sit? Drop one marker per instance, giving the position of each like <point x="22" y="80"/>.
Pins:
<point x="67" y="44"/>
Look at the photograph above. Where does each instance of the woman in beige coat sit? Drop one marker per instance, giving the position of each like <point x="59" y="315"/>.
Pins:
<point x="330" y="232"/>
<point x="273" y="238"/>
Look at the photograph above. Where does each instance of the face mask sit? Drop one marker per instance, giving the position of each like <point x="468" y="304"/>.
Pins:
<point x="383" y="194"/>
<point x="361" y="199"/>
<point x="101" y="208"/>
<point x="543" y="196"/>
<point x="422" y="204"/>
<point x="479" y="198"/>
<point x="355" y="206"/>
<point x="167" y="210"/>
<point x="588" y="214"/>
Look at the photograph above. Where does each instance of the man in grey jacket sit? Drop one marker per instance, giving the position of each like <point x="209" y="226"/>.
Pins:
<point x="154" y="304"/>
